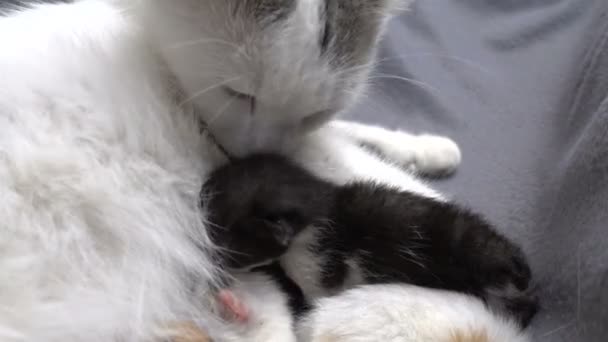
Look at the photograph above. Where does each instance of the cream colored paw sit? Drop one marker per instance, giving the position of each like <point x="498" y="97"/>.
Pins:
<point x="426" y="154"/>
<point x="436" y="155"/>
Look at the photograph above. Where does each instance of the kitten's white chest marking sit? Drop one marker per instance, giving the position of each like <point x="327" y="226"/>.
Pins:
<point x="355" y="275"/>
<point x="303" y="266"/>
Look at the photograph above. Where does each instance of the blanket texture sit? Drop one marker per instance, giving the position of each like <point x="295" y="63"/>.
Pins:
<point x="522" y="86"/>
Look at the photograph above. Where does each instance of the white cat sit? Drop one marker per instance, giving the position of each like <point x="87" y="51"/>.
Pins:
<point x="101" y="156"/>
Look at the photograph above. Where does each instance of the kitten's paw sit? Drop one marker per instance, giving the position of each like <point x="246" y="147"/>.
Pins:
<point x="436" y="155"/>
<point x="505" y="266"/>
<point x="521" y="306"/>
<point x="507" y="279"/>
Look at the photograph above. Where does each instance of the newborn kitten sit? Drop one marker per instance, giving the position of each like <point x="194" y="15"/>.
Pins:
<point x="329" y="238"/>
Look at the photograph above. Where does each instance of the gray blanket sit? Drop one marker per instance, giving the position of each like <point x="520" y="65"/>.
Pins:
<point x="522" y="86"/>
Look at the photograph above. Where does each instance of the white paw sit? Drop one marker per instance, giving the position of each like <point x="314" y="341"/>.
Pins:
<point x="436" y="155"/>
<point x="425" y="154"/>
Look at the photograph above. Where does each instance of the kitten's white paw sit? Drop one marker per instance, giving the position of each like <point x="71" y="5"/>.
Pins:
<point x="436" y="155"/>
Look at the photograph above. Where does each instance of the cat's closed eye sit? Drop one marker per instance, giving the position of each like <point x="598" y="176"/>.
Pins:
<point x="238" y="94"/>
<point x="309" y="122"/>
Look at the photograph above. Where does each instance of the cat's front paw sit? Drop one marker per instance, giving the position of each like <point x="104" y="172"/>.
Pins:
<point x="435" y="155"/>
<point x="426" y="154"/>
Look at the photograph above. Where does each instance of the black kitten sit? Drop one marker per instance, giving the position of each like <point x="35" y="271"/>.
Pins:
<point x="329" y="238"/>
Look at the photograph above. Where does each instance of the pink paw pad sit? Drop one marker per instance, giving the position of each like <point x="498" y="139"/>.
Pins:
<point x="233" y="307"/>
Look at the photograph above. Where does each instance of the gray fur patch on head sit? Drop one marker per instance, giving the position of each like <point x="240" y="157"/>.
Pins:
<point x="267" y="11"/>
<point x="273" y="10"/>
<point x="352" y="26"/>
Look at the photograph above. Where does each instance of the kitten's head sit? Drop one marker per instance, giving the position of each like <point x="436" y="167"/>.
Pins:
<point x="257" y="205"/>
<point x="263" y="72"/>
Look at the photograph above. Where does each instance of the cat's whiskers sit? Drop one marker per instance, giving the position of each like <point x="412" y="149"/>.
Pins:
<point x="374" y="64"/>
<point x="215" y="225"/>
<point x="413" y="257"/>
<point x="419" y="261"/>
<point x="197" y="94"/>
<point x="222" y="248"/>
<point x="221" y="111"/>
<point x="466" y="62"/>
<point x="231" y="252"/>
<point x="343" y="72"/>
<point x="203" y="41"/>
<point x="408" y="80"/>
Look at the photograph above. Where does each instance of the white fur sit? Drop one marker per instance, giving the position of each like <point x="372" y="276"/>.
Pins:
<point x="331" y="153"/>
<point x="208" y="47"/>
<point x="427" y="154"/>
<point x="300" y="258"/>
<point x="402" y="313"/>
<point x="269" y="317"/>
<point x="100" y="174"/>
<point x="101" y="162"/>
<point x="302" y="266"/>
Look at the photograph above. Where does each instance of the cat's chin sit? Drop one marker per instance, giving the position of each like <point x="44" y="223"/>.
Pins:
<point x="270" y="140"/>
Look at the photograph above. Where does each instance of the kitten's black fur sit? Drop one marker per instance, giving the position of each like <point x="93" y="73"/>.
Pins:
<point x="260" y="203"/>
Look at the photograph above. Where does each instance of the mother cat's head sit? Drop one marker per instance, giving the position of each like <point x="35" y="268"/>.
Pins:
<point x="264" y="71"/>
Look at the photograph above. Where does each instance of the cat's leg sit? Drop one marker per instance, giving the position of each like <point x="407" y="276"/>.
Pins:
<point x="340" y="159"/>
<point x="426" y="154"/>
